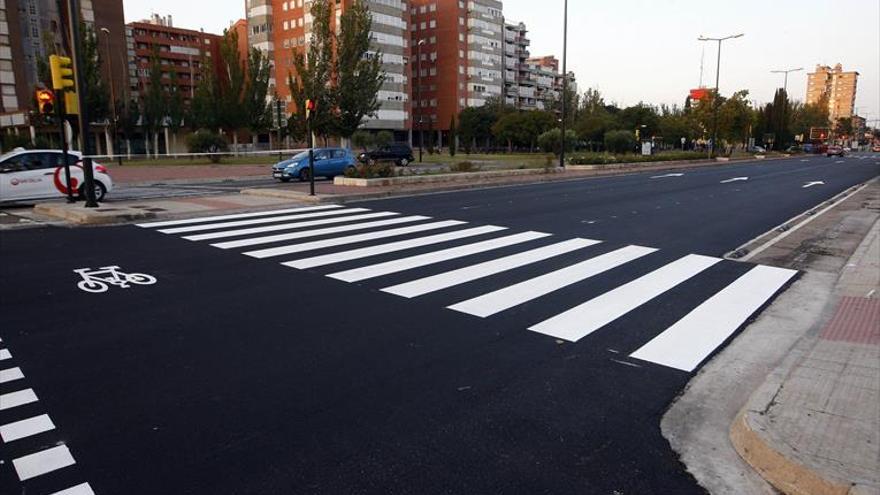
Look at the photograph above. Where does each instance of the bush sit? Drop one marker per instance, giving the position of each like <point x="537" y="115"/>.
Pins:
<point x="620" y="141"/>
<point x="607" y="158"/>
<point x="12" y="141"/>
<point x="205" y="141"/>
<point x="464" y="167"/>
<point x="384" y="138"/>
<point x="366" y="171"/>
<point x="362" y="139"/>
<point x="551" y="141"/>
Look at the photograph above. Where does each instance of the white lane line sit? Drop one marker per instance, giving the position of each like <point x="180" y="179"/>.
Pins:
<point x="734" y="179"/>
<point x="10" y="374"/>
<point x="17" y="398"/>
<point x="480" y="270"/>
<point x="340" y="241"/>
<point x="391" y="247"/>
<point x="4" y="354"/>
<point x="217" y="218"/>
<point x="81" y="489"/>
<point x="586" y="318"/>
<point x="514" y="295"/>
<point x="686" y="343"/>
<point x="253" y="241"/>
<point x="287" y="226"/>
<point x="26" y="427"/>
<point x="42" y="462"/>
<point x="259" y="221"/>
<point x="667" y="175"/>
<point x="394" y="266"/>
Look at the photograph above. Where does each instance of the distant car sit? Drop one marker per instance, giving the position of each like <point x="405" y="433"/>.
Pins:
<point x="39" y="174"/>
<point x="329" y="162"/>
<point x="835" y="151"/>
<point x="400" y="154"/>
<point x="758" y="149"/>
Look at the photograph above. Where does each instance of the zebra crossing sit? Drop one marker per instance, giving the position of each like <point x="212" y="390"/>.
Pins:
<point x="369" y="245"/>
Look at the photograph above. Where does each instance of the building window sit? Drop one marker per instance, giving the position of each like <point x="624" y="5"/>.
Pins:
<point x="433" y="24"/>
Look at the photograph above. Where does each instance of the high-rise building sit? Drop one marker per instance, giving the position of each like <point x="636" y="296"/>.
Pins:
<point x="279" y="27"/>
<point x="530" y="83"/>
<point x="461" y="62"/>
<point x="835" y="86"/>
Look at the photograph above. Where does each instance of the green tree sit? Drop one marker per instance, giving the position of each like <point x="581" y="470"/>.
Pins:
<point x="155" y="103"/>
<point x="313" y="75"/>
<point x="97" y="95"/>
<point x="203" y="108"/>
<point x="641" y="117"/>
<point x="129" y="117"/>
<point x="358" y="72"/>
<point x="175" y="110"/>
<point x="736" y="119"/>
<point x="453" y="136"/>
<point x="384" y="138"/>
<point x="551" y="141"/>
<point x="362" y="139"/>
<point x="475" y="126"/>
<point x="507" y="129"/>
<point x="620" y="141"/>
<point x="259" y="111"/>
<point x="805" y="117"/>
<point x="232" y="113"/>
<point x="843" y="127"/>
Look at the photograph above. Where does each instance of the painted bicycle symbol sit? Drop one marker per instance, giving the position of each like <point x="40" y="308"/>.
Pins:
<point x="100" y="280"/>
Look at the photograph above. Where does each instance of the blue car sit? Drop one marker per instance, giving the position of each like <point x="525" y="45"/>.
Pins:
<point x="329" y="162"/>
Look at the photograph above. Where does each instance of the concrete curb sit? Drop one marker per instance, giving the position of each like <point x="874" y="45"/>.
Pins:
<point x="431" y="179"/>
<point x="270" y="192"/>
<point x="93" y="216"/>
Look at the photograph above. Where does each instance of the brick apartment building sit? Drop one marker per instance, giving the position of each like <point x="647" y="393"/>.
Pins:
<point x="837" y="86"/>
<point x="31" y="30"/>
<point x="278" y="27"/>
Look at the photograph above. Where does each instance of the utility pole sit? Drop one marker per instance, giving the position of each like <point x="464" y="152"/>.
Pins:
<point x="81" y="90"/>
<point x="564" y="80"/>
<point x="419" y="93"/>
<point x="717" y="98"/>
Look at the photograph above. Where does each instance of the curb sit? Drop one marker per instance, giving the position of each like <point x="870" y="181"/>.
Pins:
<point x="784" y="474"/>
<point x="93" y="216"/>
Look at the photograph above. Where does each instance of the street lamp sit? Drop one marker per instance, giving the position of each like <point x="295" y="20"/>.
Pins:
<point x="564" y="79"/>
<point x="419" y="93"/>
<point x="717" y="76"/>
<point x="785" y="71"/>
<point x="112" y="96"/>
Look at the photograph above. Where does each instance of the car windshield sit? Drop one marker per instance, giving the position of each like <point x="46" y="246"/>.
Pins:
<point x="301" y="155"/>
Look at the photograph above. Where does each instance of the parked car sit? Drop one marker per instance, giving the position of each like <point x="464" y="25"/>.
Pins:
<point x="39" y="174"/>
<point x="876" y="148"/>
<point x="329" y="162"/>
<point x="835" y="151"/>
<point x="759" y="149"/>
<point x="400" y="154"/>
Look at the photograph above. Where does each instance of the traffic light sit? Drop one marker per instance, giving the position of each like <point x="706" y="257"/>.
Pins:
<point x="62" y="72"/>
<point x="46" y="101"/>
<point x="311" y="106"/>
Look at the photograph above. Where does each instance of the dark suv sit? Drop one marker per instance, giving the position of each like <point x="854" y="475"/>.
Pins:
<point x="401" y="154"/>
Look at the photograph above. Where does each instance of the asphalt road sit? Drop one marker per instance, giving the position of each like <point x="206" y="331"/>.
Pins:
<point x="344" y="371"/>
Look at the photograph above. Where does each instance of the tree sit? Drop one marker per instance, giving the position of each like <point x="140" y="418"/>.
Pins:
<point x="551" y="141"/>
<point x="507" y="129"/>
<point x="358" y="72"/>
<point x="176" y="110"/>
<point x="474" y="126"/>
<point x="453" y="136"/>
<point x="257" y="107"/>
<point x="97" y="96"/>
<point x="313" y="75"/>
<point x="554" y="103"/>
<point x="384" y="138"/>
<point x="128" y="120"/>
<point x="805" y="117"/>
<point x="232" y="113"/>
<point x="736" y="117"/>
<point x="843" y="127"/>
<point x="620" y="141"/>
<point x="362" y="139"/>
<point x="203" y="108"/>
<point x="641" y="117"/>
<point x="155" y="106"/>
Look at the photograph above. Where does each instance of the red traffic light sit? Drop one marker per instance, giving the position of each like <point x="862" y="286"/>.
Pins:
<point x="45" y="100"/>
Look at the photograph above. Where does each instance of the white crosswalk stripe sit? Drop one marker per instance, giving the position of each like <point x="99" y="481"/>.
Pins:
<point x="523" y="292"/>
<point x="391" y="247"/>
<point x="686" y="343"/>
<point x="42" y="462"/>
<point x="339" y="241"/>
<point x="287" y="226"/>
<point x="254" y="241"/>
<point x="26" y="428"/>
<point x="17" y="398"/>
<point x="582" y="320"/>
<point x="81" y="489"/>
<point x="259" y="221"/>
<point x="467" y="274"/>
<point x="378" y="270"/>
<point x="4" y="354"/>
<point x="219" y="218"/>
<point x="10" y="374"/>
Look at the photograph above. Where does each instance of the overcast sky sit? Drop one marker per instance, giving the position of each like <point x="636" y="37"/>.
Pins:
<point x="647" y="50"/>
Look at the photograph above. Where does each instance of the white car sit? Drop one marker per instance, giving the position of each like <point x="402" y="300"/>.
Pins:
<point x="39" y="174"/>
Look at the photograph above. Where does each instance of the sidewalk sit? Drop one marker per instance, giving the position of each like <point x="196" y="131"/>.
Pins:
<point x="813" y="427"/>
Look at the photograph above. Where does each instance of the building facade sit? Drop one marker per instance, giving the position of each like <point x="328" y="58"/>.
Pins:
<point x="530" y="83"/>
<point x="835" y="85"/>
<point x="280" y="27"/>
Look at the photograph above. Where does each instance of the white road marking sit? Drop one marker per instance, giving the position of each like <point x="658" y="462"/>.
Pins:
<point x="514" y="295"/>
<point x="813" y="183"/>
<point x="42" y="462"/>
<point x="26" y="427"/>
<point x="839" y="161"/>
<point x="17" y="398"/>
<point x="287" y="226"/>
<point x="10" y="374"/>
<point x="216" y="218"/>
<point x="805" y="160"/>
<point x="734" y="179"/>
<point x="399" y="265"/>
<point x="586" y="318"/>
<point x="253" y="241"/>
<point x="686" y="343"/>
<point x="339" y="241"/>
<point x="667" y="175"/>
<point x="474" y="272"/>
<point x="81" y="489"/>
<point x="4" y="354"/>
<point x="354" y="254"/>
<point x="258" y="221"/>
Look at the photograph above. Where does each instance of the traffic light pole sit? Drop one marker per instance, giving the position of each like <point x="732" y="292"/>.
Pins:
<point x="311" y="157"/>
<point x="73" y="11"/>
<point x="60" y="113"/>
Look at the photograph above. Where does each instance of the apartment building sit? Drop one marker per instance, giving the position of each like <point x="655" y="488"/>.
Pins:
<point x="837" y="86"/>
<point x="530" y="83"/>
<point x="31" y="30"/>
<point x="279" y="27"/>
<point x="461" y="58"/>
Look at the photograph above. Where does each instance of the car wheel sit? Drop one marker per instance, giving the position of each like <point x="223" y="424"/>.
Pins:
<point x="404" y="162"/>
<point x="350" y="170"/>
<point x="304" y="175"/>
<point x="100" y="191"/>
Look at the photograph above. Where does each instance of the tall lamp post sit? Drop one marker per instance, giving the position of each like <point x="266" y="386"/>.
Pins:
<point x="785" y="103"/>
<point x="419" y="93"/>
<point x="716" y="98"/>
<point x="564" y="80"/>
<point x="112" y="96"/>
